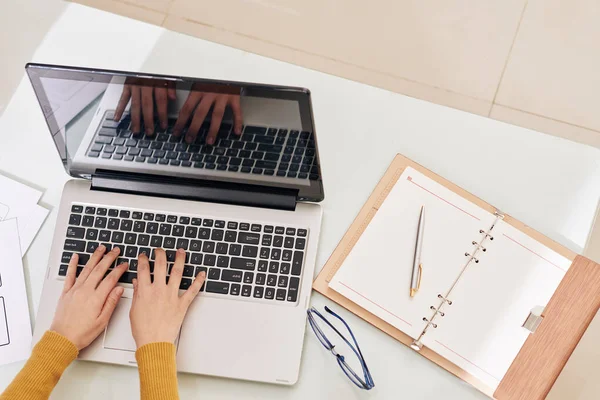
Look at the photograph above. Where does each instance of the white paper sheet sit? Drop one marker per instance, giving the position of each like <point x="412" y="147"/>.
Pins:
<point x="18" y="201"/>
<point x="15" y="325"/>
<point x="377" y="272"/>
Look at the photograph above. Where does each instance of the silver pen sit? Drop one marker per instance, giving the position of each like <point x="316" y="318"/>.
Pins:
<point x="417" y="272"/>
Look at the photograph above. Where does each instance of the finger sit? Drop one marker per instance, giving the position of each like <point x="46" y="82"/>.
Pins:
<point x="177" y="270"/>
<point x="98" y="273"/>
<point x="193" y="290"/>
<point x="143" y="274"/>
<point x="134" y="282"/>
<point x="160" y="94"/>
<point x="171" y="92"/>
<point x="71" y="273"/>
<point x="110" y="281"/>
<point x="217" y="117"/>
<point x="125" y="95"/>
<point x="236" y="107"/>
<point x="136" y="109"/>
<point x="186" y="111"/>
<point x="110" y="304"/>
<point x="148" y="109"/>
<point x="199" y="116"/>
<point x="160" y="266"/>
<point x="90" y="265"/>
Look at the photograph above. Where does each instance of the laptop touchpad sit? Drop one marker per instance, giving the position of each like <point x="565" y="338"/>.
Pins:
<point x="118" y="332"/>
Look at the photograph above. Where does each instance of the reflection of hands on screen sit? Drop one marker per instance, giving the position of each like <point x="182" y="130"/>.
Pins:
<point x="143" y="99"/>
<point x="197" y="106"/>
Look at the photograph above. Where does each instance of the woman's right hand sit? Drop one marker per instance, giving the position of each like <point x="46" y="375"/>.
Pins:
<point x="157" y="310"/>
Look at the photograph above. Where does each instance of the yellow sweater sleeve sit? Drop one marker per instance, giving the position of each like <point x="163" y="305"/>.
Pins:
<point x="49" y="358"/>
<point x="158" y="371"/>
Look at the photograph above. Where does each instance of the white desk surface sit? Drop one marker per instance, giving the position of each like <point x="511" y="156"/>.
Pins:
<point x="549" y="183"/>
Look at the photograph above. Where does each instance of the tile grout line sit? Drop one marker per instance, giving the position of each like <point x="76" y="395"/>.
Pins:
<point x="512" y="45"/>
<point x="548" y="118"/>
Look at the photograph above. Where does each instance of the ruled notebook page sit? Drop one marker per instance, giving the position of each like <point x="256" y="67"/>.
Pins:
<point x="482" y="331"/>
<point x="377" y="272"/>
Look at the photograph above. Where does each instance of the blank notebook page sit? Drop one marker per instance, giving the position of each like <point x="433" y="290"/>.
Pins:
<point x="376" y="274"/>
<point x="482" y="331"/>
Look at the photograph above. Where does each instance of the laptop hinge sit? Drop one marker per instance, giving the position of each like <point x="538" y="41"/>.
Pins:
<point x="195" y="189"/>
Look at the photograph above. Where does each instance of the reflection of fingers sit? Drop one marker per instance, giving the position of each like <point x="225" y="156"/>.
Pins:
<point x="217" y="117"/>
<point x="234" y="103"/>
<point x="71" y="273"/>
<point x="186" y="111"/>
<point x="171" y="92"/>
<point x="160" y="93"/>
<point x="148" y="109"/>
<point x="199" y="116"/>
<point x="136" y="109"/>
<point x="122" y="102"/>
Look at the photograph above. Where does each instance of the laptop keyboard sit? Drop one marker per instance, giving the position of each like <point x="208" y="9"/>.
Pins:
<point x="241" y="259"/>
<point x="259" y="150"/>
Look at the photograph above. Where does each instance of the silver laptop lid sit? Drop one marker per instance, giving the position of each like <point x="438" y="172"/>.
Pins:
<point x="179" y="127"/>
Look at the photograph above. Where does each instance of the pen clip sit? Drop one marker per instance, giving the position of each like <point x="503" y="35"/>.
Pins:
<point x="420" y="275"/>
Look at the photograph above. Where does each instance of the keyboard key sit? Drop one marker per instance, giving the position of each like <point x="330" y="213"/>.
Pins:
<point x="117" y="237"/>
<point x="87" y="221"/>
<point x="196" y="259"/>
<point x="269" y="293"/>
<point x="91" y="234"/>
<point x="160" y="218"/>
<point x="76" y="208"/>
<point x="246" y="290"/>
<point x="217" y="234"/>
<point x="262" y="266"/>
<point x="300" y="244"/>
<point x="278" y="241"/>
<point x="195" y="245"/>
<point x="203" y="233"/>
<point x="178" y="230"/>
<point x="230" y="236"/>
<point x="247" y="264"/>
<point x="188" y="270"/>
<point x="248" y="238"/>
<point x="131" y="251"/>
<point x="169" y="243"/>
<point x="130" y="238"/>
<point x="191" y="232"/>
<point x="210" y="260"/>
<point x="91" y="247"/>
<point x="62" y="270"/>
<point x="197" y="221"/>
<point x="273" y="267"/>
<point x="126" y="225"/>
<point x="288" y="243"/>
<point x="285" y="268"/>
<point x="156" y="241"/>
<point x="200" y="269"/>
<point x="280" y="230"/>
<point x="248" y="277"/>
<point x="184" y="220"/>
<point x="139" y="226"/>
<point x="235" y="249"/>
<point x="258" y="292"/>
<point x="266" y="240"/>
<point x="286" y="255"/>
<point x="182" y="244"/>
<point x="282" y="281"/>
<point x="280" y="295"/>
<point x="231" y="276"/>
<point x="221" y="248"/>
<point x="90" y="210"/>
<point x="185" y="283"/>
<point x="244" y="226"/>
<point x="217" y="287"/>
<point x="172" y="219"/>
<point x="76" y="233"/>
<point x="222" y="261"/>
<point x="261" y="279"/>
<point x="170" y="255"/>
<point x="269" y="228"/>
<point x="207" y="223"/>
<point x="297" y="263"/>
<point x="208" y="247"/>
<point x="250" y="251"/>
<point x="235" y="289"/>
<point x="104" y="236"/>
<point x="219" y="224"/>
<point x="143" y="240"/>
<point x="271" y="280"/>
<point x="128" y="277"/>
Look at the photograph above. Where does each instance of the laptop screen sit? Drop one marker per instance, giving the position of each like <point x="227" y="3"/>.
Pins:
<point x="180" y="127"/>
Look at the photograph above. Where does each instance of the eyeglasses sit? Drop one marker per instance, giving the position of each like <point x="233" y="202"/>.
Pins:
<point x="366" y="383"/>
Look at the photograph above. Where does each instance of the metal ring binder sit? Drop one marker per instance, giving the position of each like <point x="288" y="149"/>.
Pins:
<point x="479" y="246"/>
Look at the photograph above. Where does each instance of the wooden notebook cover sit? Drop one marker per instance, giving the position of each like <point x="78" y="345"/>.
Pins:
<point x="362" y="220"/>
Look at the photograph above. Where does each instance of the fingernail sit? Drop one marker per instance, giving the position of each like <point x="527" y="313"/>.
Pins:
<point x="116" y="249"/>
<point x="181" y="251"/>
<point x="101" y="247"/>
<point x="163" y="126"/>
<point x="189" y="139"/>
<point x="210" y="140"/>
<point x="202" y="274"/>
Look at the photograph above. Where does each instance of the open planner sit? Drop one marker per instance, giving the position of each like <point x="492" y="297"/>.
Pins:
<point x="482" y="275"/>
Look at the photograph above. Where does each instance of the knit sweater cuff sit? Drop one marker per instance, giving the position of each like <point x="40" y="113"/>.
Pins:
<point x="54" y="352"/>
<point x="158" y="371"/>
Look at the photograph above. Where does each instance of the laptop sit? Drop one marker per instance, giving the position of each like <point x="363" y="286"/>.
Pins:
<point x="147" y="174"/>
